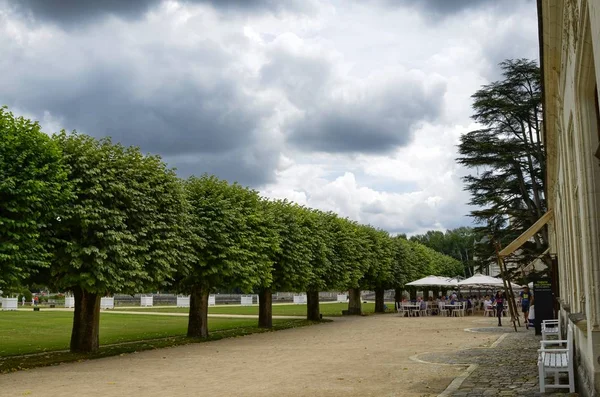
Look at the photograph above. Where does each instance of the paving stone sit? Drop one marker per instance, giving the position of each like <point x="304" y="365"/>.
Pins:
<point x="509" y="369"/>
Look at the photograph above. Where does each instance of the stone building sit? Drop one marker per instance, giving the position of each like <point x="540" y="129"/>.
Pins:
<point x="570" y="60"/>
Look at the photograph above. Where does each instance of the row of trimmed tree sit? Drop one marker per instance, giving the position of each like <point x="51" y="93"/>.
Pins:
<point x="94" y="217"/>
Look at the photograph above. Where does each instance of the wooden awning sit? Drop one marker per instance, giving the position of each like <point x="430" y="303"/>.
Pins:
<point x="533" y="229"/>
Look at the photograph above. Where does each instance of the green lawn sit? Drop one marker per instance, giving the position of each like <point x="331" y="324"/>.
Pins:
<point x="33" y="332"/>
<point x="327" y="309"/>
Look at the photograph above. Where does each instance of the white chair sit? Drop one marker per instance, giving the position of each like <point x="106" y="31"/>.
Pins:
<point x="488" y="311"/>
<point x="442" y="309"/>
<point x="470" y="309"/>
<point x="401" y="309"/>
<point x="551" y="328"/>
<point x="414" y="310"/>
<point x="556" y="361"/>
<point x="432" y="308"/>
<point x="456" y="311"/>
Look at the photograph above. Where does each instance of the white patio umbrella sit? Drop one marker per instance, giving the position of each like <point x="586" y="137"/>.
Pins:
<point x="483" y="281"/>
<point x="433" y="281"/>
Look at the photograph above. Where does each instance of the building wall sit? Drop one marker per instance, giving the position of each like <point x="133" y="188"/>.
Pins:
<point x="571" y="62"/>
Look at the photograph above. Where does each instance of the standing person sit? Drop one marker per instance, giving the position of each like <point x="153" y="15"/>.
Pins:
<point x="499" y="301"/>
<point x="35" y="300"/>
<point x="526" y="301"/>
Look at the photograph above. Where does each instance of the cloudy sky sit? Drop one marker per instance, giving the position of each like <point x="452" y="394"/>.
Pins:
<point x="354" y="106"/>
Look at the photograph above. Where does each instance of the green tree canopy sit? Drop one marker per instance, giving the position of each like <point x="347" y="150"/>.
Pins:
<point x="120" y="232"/>
<point x="457" y="243"/>
<point x="33" y="188"/>
<point x="233" y="243"/>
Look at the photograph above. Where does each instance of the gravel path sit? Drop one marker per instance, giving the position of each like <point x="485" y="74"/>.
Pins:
<point x="352" y="356"/>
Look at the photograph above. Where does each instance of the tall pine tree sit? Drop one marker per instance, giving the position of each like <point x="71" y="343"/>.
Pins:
<point x="508" y="161"/>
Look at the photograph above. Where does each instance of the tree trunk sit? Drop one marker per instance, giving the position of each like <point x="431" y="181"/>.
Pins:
<point x="354" y="303"/>
<point x="265" y="308"/>
<point x="85" y="336"/>
<point x="312" y="306"/>
<point x="198" y="317"/>
<point x="379" y="304"/>
<point x="398" y="294"/>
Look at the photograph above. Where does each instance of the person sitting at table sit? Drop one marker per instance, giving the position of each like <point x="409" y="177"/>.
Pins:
<point x="432" y="303"/>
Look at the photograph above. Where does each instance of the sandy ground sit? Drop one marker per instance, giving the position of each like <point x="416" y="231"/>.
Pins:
<point x="355" y="356"/>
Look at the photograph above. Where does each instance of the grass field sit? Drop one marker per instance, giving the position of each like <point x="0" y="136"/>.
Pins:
<point x="327" y="309"/>
<point x="34" y="332"/>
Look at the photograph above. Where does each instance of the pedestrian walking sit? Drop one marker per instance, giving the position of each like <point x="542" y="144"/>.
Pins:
<point x="526" y="301"/>
<point x="499" y="302"/>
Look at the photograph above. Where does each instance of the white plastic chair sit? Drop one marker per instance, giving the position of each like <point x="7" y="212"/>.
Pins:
<point x="488" y="311"/>
<point x="456" y="311"/>
<point x="442" y="309"/>
<point x="470" y="309"/>
<point x="401" y="309"/>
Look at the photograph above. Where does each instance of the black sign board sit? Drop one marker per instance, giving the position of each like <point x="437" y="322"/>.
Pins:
<point x="543" y="300"/>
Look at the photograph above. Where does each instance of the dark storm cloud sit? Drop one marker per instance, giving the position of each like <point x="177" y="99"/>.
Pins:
<point x="178" y="116"/>
<point x="445" y="8"/>
<point x="375" y="115"/>
<point x="174" y="103"/>
<point x="250" y="166"/>
<point x="76" y="12"/>
<point x="346" y="133"/>
<point x="376" y="123"/>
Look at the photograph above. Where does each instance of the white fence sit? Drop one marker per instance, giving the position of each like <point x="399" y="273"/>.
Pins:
<point x="9" y="304"/>
<point x="299" y="299"/>
<point x="69" y="302"/>
<point x="342" y="298"/>
<point x="246" y="300"/>
<point x="148" y="301"/>
<point x="107" y="302"/>
<point x="183" y="301"/>
<point x="212" y="300"/>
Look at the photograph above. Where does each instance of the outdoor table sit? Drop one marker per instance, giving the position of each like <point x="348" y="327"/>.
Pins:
<point x="456" y="306"/>
<point x="412" y="307"/>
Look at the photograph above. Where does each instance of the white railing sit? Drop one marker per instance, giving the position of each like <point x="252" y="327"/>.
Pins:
<point x="69" y="302"/>
<point x="107" y="302"/>
<point x="212" y="300"/>
<point x="9" y="304"/>
<point x="299" y="299"/>
<point x="183" y="301"/>
<point x="146" y="301"/>
<point x="246" y="300"/>
<point x="342" y="298"/>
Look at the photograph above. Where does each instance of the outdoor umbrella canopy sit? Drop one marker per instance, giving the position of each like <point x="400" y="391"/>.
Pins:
<point x="480" y="280"/>
<point x="433" y="281"/>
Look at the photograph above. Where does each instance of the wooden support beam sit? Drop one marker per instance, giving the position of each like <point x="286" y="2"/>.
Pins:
<point x="519" y="241"/>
